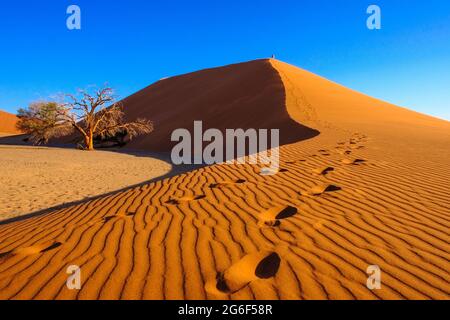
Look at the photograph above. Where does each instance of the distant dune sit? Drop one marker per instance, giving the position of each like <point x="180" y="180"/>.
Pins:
<point x="8" y="123"/>
<point x="363" y="183"/>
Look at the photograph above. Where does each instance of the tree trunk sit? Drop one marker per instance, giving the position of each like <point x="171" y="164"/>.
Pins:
<point x="89" y="141"/>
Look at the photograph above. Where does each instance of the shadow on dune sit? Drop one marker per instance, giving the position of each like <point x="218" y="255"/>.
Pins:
<point x="248" y="95"/>
<point x="14" y="140"/>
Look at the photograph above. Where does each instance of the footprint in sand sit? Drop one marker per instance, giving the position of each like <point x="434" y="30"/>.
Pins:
<point x="346" y="152"/>
<point x="106" y="219"/>
<point x="273" y="216"/>
<point x="359" y="136"/>
<point x="352" y="161"/>
<point x="177" y="201"/>
<point x="319" y="189"/>
<point x="118" y="216"/>
<point x="29" y="251"/>
<point x="226" y="184"/>
<point x="323" y="171"/>
<point x="324" y="153"/>
<point x="261" y="265"/>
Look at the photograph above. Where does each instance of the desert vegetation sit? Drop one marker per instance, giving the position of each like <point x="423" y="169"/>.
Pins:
<point x="90" y="115"/>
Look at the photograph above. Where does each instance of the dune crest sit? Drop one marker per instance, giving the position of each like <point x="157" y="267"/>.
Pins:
<point x="246" y="95"/>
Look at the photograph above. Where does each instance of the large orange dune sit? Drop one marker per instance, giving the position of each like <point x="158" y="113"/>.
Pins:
<point x="363" y="183"/>
<point x="8" y="123"/>
<point x="248" y="95"/>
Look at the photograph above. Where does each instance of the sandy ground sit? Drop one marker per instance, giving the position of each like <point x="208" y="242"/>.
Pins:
<point x="37" y="178"/>
<point x="370" y="189"/>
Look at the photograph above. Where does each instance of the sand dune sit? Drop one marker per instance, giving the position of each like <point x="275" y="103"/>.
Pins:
<point x="227" y="232"/>
<point x="37" y="178"/>
<point x="249" y="95"/>
<point x="8" y="123"/>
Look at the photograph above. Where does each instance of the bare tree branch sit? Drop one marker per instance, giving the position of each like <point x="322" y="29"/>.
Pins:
<point x="86" y="113"/>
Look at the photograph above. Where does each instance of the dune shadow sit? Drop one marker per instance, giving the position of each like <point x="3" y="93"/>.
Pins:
<point x="15" y="140"/>
<point x="244" y="96"/>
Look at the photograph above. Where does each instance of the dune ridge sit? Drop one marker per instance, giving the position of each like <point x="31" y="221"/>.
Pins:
<point x="356" y="195"/>
<point x="246" y="95"/>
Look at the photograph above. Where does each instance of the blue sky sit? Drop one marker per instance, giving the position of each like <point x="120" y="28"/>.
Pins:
<point x="131" y="44"/>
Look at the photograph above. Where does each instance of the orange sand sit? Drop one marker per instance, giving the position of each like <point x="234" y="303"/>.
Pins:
<point x="8" y="123"/>
<point x="370" y="189"/>
<point x="33" y="179"/>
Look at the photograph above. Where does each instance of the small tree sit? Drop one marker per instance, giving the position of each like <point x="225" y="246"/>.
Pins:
<point x="42" y="121"/>
<point x="84" y="113"/>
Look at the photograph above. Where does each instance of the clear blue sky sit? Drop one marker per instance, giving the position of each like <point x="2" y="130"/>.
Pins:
<point x="130" y="44"/>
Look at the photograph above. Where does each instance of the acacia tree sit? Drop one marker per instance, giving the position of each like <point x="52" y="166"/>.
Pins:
<point x="42" y="121"/>
<point x="84" y="113"/>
